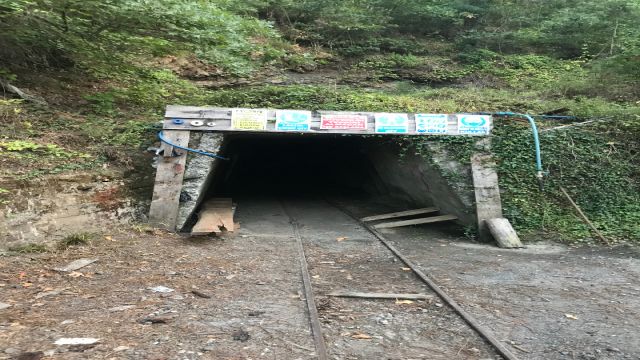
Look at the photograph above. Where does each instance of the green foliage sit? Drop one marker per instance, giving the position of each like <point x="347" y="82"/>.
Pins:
<point x="419" y="69"/>
<point x="62" y="33"/>
<point x="29" y="147"/>
<point x="76" y="239"/>
<point x="597" y="165"/>
<point x="29" y="249"/>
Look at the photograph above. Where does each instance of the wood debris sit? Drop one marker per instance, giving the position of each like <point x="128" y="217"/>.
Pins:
<point x="215" y="217"/>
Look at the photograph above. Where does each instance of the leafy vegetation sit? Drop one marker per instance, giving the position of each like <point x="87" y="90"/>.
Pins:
<point x="76" y="239"/>
<point x="29" y="249"/>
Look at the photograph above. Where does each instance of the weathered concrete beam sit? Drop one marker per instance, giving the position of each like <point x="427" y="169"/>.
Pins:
<point x="198" y="175"/>
<point x="487" y="192"/>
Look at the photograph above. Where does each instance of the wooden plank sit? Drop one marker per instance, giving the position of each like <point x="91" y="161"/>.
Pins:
<point x="209" y="221"/>
<point x="487" y="192"/>
<point x="427" y="220"/>
<point x="163" y="212"/>
<point x="503" y="232"/>
<point x="216" y="215"/>
<point x="400" y="214"/>
<point x="221" y="117"/>
<point x="366" y="295"/>
<point x="226" y="215"/>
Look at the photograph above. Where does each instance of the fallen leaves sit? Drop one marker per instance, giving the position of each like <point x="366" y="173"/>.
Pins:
<point x="360" y="336"/>
<point x="404" y="302"/>
<point x="75" y="274"/>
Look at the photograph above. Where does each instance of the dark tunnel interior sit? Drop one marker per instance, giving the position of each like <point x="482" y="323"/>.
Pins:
<point x="335" y="168"/>
<point x="294" y="166"/>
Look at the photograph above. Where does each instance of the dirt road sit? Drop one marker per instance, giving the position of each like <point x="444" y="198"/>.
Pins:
<point x="242" y="298"/>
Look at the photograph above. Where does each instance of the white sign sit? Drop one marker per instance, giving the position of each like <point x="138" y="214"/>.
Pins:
<point x="431" y="123"/>
<point x="293" y="120"/>
<point x="392" y="123"/>
<point x="249" y="119"/>
<point x="474" y="124"/>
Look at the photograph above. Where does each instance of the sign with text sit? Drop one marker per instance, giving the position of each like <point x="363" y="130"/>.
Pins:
<point x="343" y="122"/>
<point x="431" y="123"/>
<point x="293" y="120"/>
<point x="474" y="124"/>
<point x="249" y="119"/>
<point x="392" y="123"/>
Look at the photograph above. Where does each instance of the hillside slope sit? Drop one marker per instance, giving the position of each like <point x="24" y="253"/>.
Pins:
<point x="107" y="69"/>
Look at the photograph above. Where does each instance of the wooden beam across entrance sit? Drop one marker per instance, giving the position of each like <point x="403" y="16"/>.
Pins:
<point x="194" y="118"/>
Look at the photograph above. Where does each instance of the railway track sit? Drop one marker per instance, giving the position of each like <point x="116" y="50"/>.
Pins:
<point x="314" y="294"/>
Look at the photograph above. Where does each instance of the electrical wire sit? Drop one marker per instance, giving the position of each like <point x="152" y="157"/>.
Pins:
<point x="196" y="151"/>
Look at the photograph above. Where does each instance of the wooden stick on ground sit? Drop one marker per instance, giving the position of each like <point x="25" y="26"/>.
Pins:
<point x="364" y="295"/>
<point x="428" y="220"/>
<point x="584" y="217"/>
<point x="400" y="214"/>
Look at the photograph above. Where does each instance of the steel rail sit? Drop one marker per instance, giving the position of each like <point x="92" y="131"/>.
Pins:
<point x="314" y="319"/>
<point x="473" y="323"/>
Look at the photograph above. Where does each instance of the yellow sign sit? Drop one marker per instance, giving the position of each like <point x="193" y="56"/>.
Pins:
<point x="249" y="119"/>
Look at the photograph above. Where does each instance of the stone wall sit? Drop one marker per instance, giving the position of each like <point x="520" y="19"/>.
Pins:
<point x="438" y="181"/>
<point x="47" y="209"/>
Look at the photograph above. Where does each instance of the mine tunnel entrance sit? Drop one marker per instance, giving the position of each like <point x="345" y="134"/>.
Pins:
<point x="328" y="166"/>
<point x="324" y="154"/>
<point x="295" y="166"/>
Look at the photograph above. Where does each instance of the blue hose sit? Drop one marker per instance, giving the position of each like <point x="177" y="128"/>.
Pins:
<point x="536" y="140"/>
<point x="201" y="152"/>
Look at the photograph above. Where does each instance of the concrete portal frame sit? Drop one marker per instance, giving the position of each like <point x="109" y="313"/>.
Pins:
<point x="180" y="121"/>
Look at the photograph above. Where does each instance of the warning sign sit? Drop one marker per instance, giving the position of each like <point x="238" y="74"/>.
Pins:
<point x="343" y="122"/>
<point x="474" y="124"/>
<point x="392" y="123"/>
<point x="431" y="123"/>
<point x="293" y="120"/>
<point x="249" y="119"/>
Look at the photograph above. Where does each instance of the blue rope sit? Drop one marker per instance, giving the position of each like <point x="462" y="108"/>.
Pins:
<point x="201" y="152"/>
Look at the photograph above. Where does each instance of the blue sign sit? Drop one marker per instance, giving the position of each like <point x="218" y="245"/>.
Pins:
<point x="392" y="123"/>
<point x="293" y="120"/>
<point x="431" y="123"/>
<point x="474" y="124"/>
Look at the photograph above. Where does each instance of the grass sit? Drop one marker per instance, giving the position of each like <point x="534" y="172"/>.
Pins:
<point x="77" y="239"/>
<point x="29" y="249"/>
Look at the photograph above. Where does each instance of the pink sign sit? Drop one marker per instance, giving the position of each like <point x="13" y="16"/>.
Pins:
<point x="343" y="122"/>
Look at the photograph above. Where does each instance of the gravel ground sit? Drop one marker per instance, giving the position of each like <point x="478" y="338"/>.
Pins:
<point x="547" y="301"/>
<point x="240" y="297"/>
